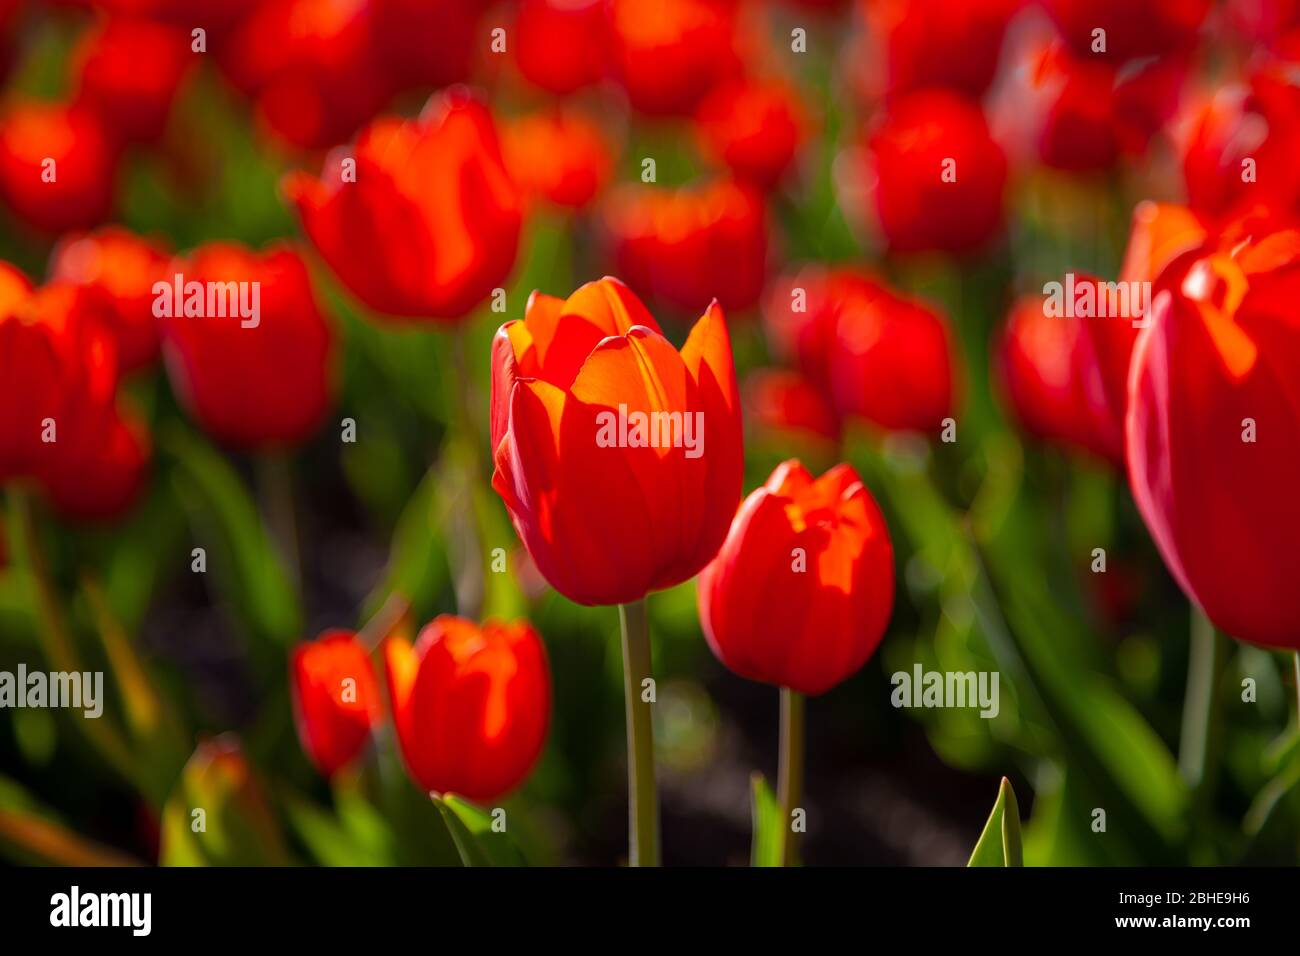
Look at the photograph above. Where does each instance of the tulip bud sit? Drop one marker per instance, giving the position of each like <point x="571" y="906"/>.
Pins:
<point x="802" y="589"/>
<point x="618" y="457"/>
<point x="560" y="45"/>
<point x="669" y="53"/>
<point x="247" y="347"/>
<point x="471" y="704"/>
<point x="129" y="71"/>
<point x="562" y="157"/>
<point x="335" y="697"/>
<point x="1213" y="426"/>
<point x="430" y="225"/>
<point x="753" y="128"/>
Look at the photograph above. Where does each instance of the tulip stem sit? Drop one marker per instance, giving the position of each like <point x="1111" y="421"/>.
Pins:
<point x="642" y="799"/>
<point x="1199" y="704"/>
<point x="463" y="474"/>
<point x="790" y="771"/>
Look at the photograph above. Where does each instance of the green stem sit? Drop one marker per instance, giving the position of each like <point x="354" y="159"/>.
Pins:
<point x="642" y="799"/>
<point x="789" y="792"/>
<point x="52" y="630"/>
<point x="1194" y="752"/>
<point x="275" y="488"/>
<point x="463" y="476"/>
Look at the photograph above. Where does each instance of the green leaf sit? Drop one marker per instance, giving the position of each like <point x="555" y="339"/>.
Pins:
<point x="471" y="829"/>
<point x="241" y="550"/>
<point x="999" y="844"/>
<point x="769" y="829"/>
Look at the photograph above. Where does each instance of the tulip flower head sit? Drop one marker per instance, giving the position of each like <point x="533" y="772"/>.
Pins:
<point x="336" y="698"/>
<point x="427" y="223"/>
<point x="1212" y="430"/>
<point x="618" y="457"/>
<point x="802" y="589"/>
<point x="471" y="704"/>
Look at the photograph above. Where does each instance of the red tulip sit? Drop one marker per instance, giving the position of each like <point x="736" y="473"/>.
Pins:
<point x="560" y="45"/>
<point x="336" y="698"/>
<point x="611" y="506"/>
<point x="425" y="43"/>
<point x="685" y="247"/>
<point x="939" y="176"/>
<point x="934" y="43"/>
<point x="669" y="53"/>
<point x="122" y="268"/>
<point x="776" y="399"/>
<point x="802" y="589"/>
<point x="58" y="374"/>
<point x="311" y="67"/>
<point x="1239" y="147"/>
<point x="57" y="164"/>
<point x="471" y="705"/>
<point x="101" y="476"/>
<point x="1131" y="30"/>
<point x="250" y="381"/>
<point x="562" y="157"/>
<point x="753" y="128"/>
<point x="879" y="355"/>
<point x="431" y="225"/>
<point x="1213" y="427"/>
<point x="215" y="16"/>
<point x="129" y="72"/>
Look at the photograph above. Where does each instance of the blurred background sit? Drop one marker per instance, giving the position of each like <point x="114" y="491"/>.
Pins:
<point x="783" y="137"/>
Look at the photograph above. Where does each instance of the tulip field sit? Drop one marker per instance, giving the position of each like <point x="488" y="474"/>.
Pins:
<point x="604" y="433"/>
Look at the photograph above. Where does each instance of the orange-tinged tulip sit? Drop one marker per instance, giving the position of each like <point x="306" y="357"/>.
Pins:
<point x="57" y="165"/>
<point x="471" y="704"/>
<point x="122" y="267"/>
<point x="1213" y="427"/>
<point x="618" y="457"/>
<point x="431" y="224"/>
<point x="685" y="247"/>
<point x="252" y="382"/>
<point x="802" y="589"/>
<point x="561" y="156"/>
<point x="336" y="698"/>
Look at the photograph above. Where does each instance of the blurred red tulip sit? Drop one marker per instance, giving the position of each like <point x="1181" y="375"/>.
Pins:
<point x="59" y="374"/>
<point x="802" y="589"/>
<point x="669" y="53"/>
<point x="1148" y="28"/>
<point x="777" y="399"/>
<point x="102" y="475"/>
<point x="259" y="381"/>
<point x="1213" y="427"/>
<point x="892" y="360"/>
<point x="560" y="156"/>
<point x="429" y="225"/>
<point x="122" y="267"/>
<point x="687" y="246"/>
<point x="934" y="43"/>
<point x="428" y="43"/>
<point x="336" y="698"/>
<point x="752" y="127"/>
<point x="1239" y="147"/>
<point x="619" y="459"/>
<point x="1082" y="114"/>
<point x="1066" y="375"/>
<point x="879" y="355"/>
<point x="128" y="72"/>
<point x="312" y="68"/>
<point x="213" y="16"/>
<point x="561" y="45"/>
<point x="57" y="165"/>
<point x="938" y="175"/>
<point x="471" y="704"/>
